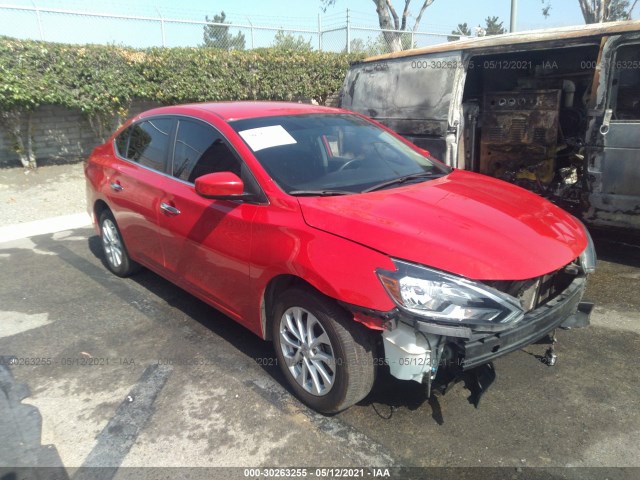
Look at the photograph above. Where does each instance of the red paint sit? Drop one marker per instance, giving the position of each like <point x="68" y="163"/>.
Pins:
<point x="368" y="321"/>
<point x="226" y="252"/>
<point x="465" y="223"/>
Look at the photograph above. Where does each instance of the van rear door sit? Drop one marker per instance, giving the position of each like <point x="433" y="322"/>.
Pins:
<point x="616" y="201"/>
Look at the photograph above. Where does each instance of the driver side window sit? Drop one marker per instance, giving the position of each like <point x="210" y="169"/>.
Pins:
<point x="200" y="150"/>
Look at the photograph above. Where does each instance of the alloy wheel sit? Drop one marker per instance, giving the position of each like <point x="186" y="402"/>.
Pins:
<point x="307" y="351"/>
<point x="111" y="243"/>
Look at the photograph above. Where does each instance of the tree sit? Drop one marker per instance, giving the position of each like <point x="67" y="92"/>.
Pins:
<point x="288" y="41"/>
<point x="493" y="27"/>
<point x="216" y="34"/>
<point x="372" y="47"/>
<point x="357" y="45"/>
<point x="394" y="26"/>
<point x="598" y="11"/>
<point x="463" y="30"/>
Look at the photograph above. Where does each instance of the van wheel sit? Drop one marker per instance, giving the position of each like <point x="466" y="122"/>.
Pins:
<point x="325" y="355"/>
<point x="115" y="253"/>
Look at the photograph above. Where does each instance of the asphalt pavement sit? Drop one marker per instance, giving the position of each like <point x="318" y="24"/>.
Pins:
<point x="135" y="373"/>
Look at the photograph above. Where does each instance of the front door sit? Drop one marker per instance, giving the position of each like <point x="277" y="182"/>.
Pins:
<point x="206" y="243"/>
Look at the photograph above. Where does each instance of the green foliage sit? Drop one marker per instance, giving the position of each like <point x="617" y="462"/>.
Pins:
<point x="617" y="10"/>
<point x="218" y="36"/>
<point x="288" y="41"/>
<point x="494" y="26"/>
<point x="596" y="11"/>
<point x="379" y="45"/>
<point x="23" y="70"/>
<point x="101" y="81"/>
<point x="463" y="30"/>
<point x="196" y="75"/>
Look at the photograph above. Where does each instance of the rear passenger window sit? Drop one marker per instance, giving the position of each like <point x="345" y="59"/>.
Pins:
<point x="121" y="142"/>
<point x="200" y="150"/>
<point x="149" y="143"/>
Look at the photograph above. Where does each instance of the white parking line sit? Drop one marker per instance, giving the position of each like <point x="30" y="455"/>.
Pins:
<point x="42" y="227"/>
<point x="12" y="323"/>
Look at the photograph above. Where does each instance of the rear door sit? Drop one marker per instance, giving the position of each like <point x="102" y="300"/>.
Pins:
<point x="207" y="243"/>
<point x="136" y="186"/>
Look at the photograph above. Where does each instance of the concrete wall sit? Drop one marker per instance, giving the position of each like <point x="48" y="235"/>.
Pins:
<point x="59" y="135"/>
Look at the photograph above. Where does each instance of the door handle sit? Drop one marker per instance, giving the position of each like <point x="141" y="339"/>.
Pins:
<point x="171" y="210"/>
<point x="604" y="128"/>
<point x="116" y="187"/>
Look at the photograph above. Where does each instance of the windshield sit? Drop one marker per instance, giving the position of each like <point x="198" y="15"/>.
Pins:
<point x="333" y="154"/>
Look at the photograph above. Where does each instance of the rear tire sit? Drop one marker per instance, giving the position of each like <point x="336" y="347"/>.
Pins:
<point x="116" y="257"/>
<point x="327" y="358"/>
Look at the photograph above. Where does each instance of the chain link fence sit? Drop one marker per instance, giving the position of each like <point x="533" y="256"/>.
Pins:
<point x="338" y="32"/>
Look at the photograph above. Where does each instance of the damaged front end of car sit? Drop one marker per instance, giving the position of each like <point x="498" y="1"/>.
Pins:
<point x="445" y="325"/>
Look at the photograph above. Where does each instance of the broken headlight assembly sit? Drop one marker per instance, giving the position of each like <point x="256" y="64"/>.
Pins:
<point x="444" y="298"/>
<point x="588" y="258"/>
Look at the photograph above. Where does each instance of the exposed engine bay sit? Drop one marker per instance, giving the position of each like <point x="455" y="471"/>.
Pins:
<point x="525" y="118"/>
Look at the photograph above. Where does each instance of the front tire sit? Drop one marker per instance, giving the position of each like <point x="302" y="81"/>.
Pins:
<point x="116" y="257"/>
<point x="327" y="358"/>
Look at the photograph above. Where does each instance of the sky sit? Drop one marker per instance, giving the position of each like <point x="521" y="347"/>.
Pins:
<point x="306" y="15"/>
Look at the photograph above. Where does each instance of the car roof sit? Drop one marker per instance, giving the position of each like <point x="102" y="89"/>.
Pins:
<point x="510" y="39"/>
<point x="239" y="110"/>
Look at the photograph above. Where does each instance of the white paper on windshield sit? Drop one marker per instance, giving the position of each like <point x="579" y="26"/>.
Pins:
<point x="267" y="137"/>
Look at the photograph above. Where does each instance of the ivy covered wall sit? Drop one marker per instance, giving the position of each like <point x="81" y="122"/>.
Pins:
<point x="100" y="84"/>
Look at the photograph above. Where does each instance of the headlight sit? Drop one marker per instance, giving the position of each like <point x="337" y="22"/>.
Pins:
<point x="443" y="297"/>
<point x="588" y="258"/>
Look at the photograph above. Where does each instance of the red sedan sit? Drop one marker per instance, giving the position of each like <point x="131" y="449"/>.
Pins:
<point x="335" y="238"/>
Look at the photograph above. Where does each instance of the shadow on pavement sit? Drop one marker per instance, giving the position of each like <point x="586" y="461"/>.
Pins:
<point x="617" y="247"/>
<point x="388" y="393"/>
<point x="218" y="323"/>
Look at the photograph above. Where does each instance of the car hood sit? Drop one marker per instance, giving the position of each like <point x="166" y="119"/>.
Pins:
<point x="464" y="223"/>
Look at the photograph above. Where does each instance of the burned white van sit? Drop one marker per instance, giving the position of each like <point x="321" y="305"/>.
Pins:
<point x="554" y="111"/>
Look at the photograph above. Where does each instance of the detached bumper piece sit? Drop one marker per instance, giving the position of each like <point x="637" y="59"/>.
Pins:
<point x="564" y="310"/>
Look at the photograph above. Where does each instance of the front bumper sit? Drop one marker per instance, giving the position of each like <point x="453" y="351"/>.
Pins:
<point x="474" y="348"/>
<point x="482" y="348"/>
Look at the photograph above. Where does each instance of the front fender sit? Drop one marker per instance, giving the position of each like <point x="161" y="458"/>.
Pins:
<point x="337" y="267"/>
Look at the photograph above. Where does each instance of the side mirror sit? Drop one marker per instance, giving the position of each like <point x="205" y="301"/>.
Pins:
<point x="220" y="186"/>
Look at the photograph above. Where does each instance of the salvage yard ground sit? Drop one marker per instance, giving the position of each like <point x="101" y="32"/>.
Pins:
<point x="205" y="392"/>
